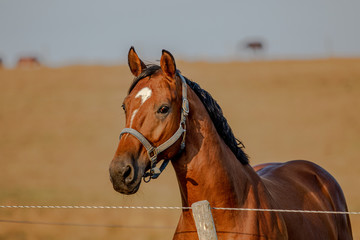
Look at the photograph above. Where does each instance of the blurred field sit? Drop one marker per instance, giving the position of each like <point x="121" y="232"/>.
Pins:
<point x="59" y="130"/>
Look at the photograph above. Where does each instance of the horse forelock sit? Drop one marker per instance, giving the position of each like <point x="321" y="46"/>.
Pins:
<point x="213" y="109"/>
<point x="149" y="70"/>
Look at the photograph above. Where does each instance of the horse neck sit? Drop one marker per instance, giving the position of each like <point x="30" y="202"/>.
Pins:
<point x="208" y="170"/>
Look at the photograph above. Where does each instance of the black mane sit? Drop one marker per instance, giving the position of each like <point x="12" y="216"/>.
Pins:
<point x="213" y="109"/>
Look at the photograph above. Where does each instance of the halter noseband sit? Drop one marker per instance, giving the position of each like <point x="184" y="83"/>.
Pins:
<point x="153" y="151"/>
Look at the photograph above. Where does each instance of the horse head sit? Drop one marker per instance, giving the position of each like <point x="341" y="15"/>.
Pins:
<point x="154" y="125"/>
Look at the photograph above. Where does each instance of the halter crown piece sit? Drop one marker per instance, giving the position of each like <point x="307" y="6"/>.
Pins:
<point x="153" y="151"/>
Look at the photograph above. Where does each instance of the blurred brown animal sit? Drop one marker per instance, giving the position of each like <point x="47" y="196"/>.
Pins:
<point x="255" y="46"/>
<point x="28" y="62"/>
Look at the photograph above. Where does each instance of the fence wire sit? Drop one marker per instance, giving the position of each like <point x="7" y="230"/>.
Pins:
<point x="144" y="208"/>
<point x="96" y="207"/>
<point x="179" y="208"/>
<point x="286" y="211"/>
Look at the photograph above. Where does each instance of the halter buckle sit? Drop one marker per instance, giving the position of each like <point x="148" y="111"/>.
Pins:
<point x="152" y="153"/>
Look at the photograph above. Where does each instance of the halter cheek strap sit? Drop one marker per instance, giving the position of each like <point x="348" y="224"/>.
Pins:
<point x="152" y="151"/>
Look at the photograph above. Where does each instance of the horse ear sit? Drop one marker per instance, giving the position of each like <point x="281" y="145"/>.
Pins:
<point x="135" y="63"/>
<point x="167" y="63"/>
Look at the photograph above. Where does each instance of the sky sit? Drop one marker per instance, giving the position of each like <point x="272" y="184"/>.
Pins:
<point x="64" y="32"/>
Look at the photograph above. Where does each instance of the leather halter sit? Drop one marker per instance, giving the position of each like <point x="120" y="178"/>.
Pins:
<point x="153" y="151"/>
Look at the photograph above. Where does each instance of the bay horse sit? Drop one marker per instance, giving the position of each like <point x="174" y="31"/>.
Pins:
<point x="170" y="117"/>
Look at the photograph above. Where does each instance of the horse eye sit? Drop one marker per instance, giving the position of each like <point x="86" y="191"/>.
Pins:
<point x="123" y="107"/>
<point x="163" y="109"/>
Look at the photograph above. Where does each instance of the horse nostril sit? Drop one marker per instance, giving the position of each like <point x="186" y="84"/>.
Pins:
<point x="128" y="174"/>
<point x="127" y="171"/>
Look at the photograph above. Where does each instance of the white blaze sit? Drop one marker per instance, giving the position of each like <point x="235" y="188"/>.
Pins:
<point x="132" y="116"/>
<point x="145" y="94"/>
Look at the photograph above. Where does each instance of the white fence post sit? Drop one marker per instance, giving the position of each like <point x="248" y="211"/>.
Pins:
<point x="203" y="220"/>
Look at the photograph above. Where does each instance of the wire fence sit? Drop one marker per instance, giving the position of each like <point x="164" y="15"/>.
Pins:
<point x="145" y="208"/>
<point x="177" y="208"/>
<point x="96" y="207"/>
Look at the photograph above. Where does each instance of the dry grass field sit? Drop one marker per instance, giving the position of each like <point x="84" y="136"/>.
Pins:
<point x="59" y="130"/>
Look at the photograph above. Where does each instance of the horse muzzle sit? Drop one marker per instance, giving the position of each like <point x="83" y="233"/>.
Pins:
<point x="125" y="176"/>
